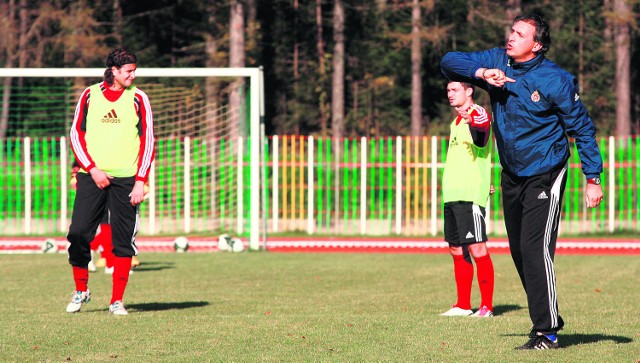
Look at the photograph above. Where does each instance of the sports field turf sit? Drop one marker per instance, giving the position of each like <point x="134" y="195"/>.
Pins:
<point x="200" y="307"/>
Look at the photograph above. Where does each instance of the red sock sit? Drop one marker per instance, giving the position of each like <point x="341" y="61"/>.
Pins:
<point x="107" y="244"/>
<point x="463" y="271"/>
<point x="81" y="277"/>
<point x="485" y="280"/>
<point x="122" y="266"/>
<point x="98" y="240"/>
<point x="95" y="243"/>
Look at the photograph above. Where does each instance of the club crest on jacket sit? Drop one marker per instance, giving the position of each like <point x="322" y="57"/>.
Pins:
<point x="535" y="96"/>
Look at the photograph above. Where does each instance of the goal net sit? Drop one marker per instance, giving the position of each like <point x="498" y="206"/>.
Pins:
<point x="205" y="178"/>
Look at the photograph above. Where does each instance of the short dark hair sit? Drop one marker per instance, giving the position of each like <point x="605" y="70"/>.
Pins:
<point x="117" y="58"/>
<point x="466" y="85"/>
<point x="543" y="33"/>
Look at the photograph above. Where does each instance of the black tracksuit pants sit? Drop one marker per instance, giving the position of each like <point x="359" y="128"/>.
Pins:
<point x="88" y="210"/>
<point x="532" y="208"/>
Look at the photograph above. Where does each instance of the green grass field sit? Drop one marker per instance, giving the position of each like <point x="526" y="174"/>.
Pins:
<point x="309" y="307"/>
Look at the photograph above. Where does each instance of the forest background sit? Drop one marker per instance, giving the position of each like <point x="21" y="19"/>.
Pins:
<point x="337" y="68"/>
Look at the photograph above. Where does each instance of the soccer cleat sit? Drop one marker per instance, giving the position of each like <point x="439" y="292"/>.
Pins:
<point x="539" y="341"/>
<point x="456" y="311"/>
<point x="117" y="308"/>
<point x="77" y="298"/>
<point x="483" y="312"/>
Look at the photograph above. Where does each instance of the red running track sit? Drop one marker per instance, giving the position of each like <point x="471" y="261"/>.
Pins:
<point x="566" y="246"/>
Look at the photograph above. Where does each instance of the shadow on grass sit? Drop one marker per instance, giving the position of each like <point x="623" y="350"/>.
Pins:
<point x="567" y="340"/>
<point x="503" y="309"/>
<point x="154" y="266"/>
<point x="167" y="306"/>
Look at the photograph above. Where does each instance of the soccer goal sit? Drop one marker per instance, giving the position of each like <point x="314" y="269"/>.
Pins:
<point x="206" y="175"/>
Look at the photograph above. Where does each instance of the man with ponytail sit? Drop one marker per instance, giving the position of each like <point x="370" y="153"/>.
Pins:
<point x="112" y="139"/>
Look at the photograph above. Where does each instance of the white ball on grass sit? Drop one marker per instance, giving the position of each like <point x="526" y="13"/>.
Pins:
<point x="224" y="242"/>
<point x="237" y="245"/>
<point x="181" y="244"/>
<point x="49" y="245"/>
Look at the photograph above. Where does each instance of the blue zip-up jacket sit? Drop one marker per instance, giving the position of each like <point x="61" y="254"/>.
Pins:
<point x="532" y="116"/>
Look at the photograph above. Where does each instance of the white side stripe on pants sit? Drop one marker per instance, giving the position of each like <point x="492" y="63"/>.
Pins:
<point x="477" y="222"/>
<point x="135" y="230"/>
<point x="554" y="215"/>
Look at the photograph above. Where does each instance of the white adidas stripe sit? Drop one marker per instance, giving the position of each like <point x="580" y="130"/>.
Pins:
<point x="552" y="218"/>
<point x="477" y="222"/>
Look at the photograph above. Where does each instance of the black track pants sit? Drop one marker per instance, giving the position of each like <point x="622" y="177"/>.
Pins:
<point x="532" y="208"/>
<point x="88" y="210"/>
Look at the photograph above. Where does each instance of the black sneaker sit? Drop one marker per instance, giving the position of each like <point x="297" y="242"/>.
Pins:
<point x="540" y="342"/>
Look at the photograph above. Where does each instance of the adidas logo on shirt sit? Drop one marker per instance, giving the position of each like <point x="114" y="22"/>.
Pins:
<point x="469" y="235"/>
<point x="543" y="195"/>
<point x="111" y="117"/>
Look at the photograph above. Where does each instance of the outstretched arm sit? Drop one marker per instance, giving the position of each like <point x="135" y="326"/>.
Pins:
<point x="478" y="68"/>
<point x="494" y="77"/>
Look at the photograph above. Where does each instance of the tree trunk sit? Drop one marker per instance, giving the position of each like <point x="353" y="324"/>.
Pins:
<point x="252" y="25"/>
<point x="581" y="47"/>
<point x="296" y="68"/>
<point x="117" y="22"/>
<point x="9" y="30"/>
<point x="212" y="85"/>
<point x="623" y="70"/>
<point x="416" y="68"/>
<point x="608" y="28"/>
<point x="236" y="35"/>
<point x="296" y="50"/>
<point x="322" y="70"/>
<point x="236" y="59"/>
<point x="22" y="37"/>
<point x="337" y="93"/>
<point x="337" y="96"/>
<point x="4" y="117"/>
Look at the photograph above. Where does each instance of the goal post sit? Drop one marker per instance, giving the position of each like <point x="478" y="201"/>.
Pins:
<point x="254" y="137"/>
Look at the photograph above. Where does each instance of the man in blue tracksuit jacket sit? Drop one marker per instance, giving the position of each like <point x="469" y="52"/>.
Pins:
<point x="535" y="105"/>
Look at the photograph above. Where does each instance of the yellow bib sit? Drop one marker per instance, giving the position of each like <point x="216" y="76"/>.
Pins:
<point x="112" y="132"/>
<point x="467" y="171"/>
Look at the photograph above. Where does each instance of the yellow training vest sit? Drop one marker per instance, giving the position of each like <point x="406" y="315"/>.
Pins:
<point x="467" y="171"/>
<point x="112" y="132"/>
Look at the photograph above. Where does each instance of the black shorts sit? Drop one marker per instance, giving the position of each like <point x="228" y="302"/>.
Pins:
<point x="464" y="223"/>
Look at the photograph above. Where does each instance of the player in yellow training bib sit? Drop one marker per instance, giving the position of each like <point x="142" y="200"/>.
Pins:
<point x="466" y="186"/>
